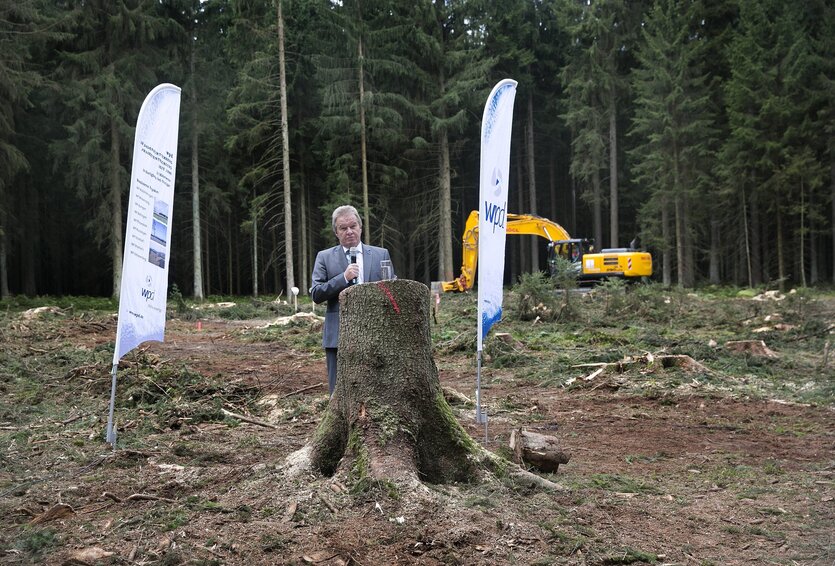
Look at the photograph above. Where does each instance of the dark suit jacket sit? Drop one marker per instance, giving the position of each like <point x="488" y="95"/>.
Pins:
<point x="329" y="280"/>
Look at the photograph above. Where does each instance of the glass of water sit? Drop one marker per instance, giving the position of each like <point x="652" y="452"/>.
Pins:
<point x="386" y="270"/>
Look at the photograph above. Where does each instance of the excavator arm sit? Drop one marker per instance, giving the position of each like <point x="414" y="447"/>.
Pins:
<point x="518" y="224"/>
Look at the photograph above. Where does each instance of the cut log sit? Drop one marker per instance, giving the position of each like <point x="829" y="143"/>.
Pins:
<point x="541" y="451"/>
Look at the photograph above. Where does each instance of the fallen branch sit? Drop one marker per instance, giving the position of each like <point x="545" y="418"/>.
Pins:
<point x="82" y="370"/>
<point x="65" y="422"/>
<point x="148" y="497"/>
<point x="112" y="496"/>
<point x="303" y="389"/>
<point x="327" y="503"/>
<point x="813" y="334"/>
<point x="247" y="419"/>
<point x="596" y="372"/>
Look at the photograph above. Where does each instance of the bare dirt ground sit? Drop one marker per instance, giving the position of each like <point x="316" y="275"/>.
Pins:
<point x="691" y="478"/>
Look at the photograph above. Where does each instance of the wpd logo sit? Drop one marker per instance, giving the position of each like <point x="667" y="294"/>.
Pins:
<point x="148" y="294"/>
<point x="494" y="213"/>
<point x="496" y="181"/>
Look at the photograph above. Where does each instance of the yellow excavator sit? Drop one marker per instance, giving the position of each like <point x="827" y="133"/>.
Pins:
<point x="592" y="266"/>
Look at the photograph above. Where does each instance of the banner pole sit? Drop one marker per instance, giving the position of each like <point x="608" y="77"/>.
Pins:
<point x="480" y="416"/>
<point x="111" y="433"/>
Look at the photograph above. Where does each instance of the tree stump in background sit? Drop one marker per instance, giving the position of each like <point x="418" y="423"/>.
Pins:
<point x="388" y="411"/>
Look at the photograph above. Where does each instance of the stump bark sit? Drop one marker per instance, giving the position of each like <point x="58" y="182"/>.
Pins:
<point x="388" y="414"/>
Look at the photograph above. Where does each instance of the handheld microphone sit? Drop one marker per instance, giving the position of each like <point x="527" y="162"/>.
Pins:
<point x="353" y="252"/>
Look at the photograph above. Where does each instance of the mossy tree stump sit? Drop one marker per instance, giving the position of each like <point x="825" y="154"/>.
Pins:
<point x="388" y="412"/>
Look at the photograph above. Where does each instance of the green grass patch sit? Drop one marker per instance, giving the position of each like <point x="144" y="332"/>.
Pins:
<point x="630" y="556"/>
<point x="36" y="542"/>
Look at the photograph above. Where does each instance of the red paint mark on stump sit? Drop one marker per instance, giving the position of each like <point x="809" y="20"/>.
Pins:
<point x="387" y="291"/>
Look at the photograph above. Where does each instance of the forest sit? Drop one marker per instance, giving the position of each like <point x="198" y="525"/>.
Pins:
<point x="705" y="127"/>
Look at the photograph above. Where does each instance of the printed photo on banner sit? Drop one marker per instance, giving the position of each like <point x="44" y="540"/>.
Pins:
<point x="159" y="232"/>
<point x="161" y="210"/>
<point x="157" y="256"/>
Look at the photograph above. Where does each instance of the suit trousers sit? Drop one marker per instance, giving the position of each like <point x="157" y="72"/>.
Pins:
<point x="330" y="358"/>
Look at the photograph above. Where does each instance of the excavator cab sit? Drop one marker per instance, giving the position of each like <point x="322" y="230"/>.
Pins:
<point x="572" y="250"/>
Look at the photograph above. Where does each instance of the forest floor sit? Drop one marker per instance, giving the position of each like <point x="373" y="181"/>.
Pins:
<point x="728" y="461"/>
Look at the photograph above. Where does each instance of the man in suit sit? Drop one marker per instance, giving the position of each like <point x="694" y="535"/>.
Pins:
<point x="336" y="269"/>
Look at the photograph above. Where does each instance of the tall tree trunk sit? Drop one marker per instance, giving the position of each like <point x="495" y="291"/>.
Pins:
<point x="4" y="238"/>
<point x="573" y="212"/>
<point x="534" y="243"/>
<point x="832" y="195"/>
<point x="597" y="209"/>
<point x="781" y="266"/>
<point x="195" y="218"/>
<point x="276" y="264"/>
<point x="427" y="273"/>
<point x="666" y="257"/>
<point x="613" y="174"/>
<point x="814" y="267"/>
<point x="116" y="240"/>
<point x="207" y="261"/>
<point x="713" y="267"/>
<point x="679" y="223"/>
<point x="363" y="148"/>
<point x="229" y="255"/>
<point x="303" y="230"/>
<point x="687" y="244"/>
<point x="28" y="242"/>
<point x="802" y="234"/>
<point x="814" y="272"/>
<point x="285" y="150"/>
<point x="552" y="186"/>
<point x="747" y="232"/>
<point x="195" y="186"/>
<point x="445" y="182"/>
<point x="520" y="243"/>
<point x="254" y="253"/>
<point x="758" y="268"/>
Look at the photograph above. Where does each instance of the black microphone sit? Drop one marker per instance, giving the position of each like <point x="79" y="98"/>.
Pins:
<point x="353" y="252"/>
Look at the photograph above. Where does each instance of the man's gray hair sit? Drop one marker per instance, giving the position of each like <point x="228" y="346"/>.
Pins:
<point x="345" y="210"/>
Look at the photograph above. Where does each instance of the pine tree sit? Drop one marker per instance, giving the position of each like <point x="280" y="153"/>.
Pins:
<point x="26" y="28"/>
<point x="594" y="84"/>
<point x="107" y="68"/>
<point x="454" y="72"/>
<point x="772" y="120"/>
<point x="673" y="122"/>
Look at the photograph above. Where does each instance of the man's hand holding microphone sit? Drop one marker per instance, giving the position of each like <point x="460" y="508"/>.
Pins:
<point x="353" y="270"/>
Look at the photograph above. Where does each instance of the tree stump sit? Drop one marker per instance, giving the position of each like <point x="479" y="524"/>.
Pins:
<point x="388" y="418"/>
<point x="541" y="451"/>
<point x="752" y="347"/>
<point x="388" y="410"/>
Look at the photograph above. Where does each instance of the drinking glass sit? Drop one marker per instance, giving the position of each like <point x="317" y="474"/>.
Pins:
<point x="386" y="270"/>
